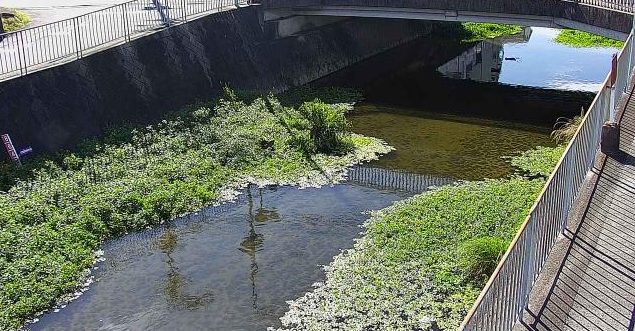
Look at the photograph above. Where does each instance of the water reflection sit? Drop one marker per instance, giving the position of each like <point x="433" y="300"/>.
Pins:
<point x="444" y="146"/>
<point x="484" y="61"/>
<point x="532" y="58"/>
<point x="176" y="291"/>
<point x="254" y="241"/>
<point x="229" y="268"/>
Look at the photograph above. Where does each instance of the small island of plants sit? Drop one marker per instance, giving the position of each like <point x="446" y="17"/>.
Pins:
<point x="53" y="219"/>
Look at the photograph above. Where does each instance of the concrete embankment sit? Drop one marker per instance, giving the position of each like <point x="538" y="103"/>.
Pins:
<point x="140" y="81"/>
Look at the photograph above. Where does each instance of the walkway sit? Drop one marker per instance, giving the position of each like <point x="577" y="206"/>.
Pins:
<point x="44" y="46"/>
<point x="47" y="11"/>
<point x="588" y="282"/>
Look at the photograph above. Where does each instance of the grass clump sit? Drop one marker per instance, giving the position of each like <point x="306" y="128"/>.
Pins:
<point x="418" y="265"/>
<point x="327" y="126"/>
<point x="479" y="256"/>
<point x="18" y="21"/>
<point x="52" y="223"/>
<point x="481" y="31"/>
<point x="565" y="129"/>
<point x="577" y="38"/>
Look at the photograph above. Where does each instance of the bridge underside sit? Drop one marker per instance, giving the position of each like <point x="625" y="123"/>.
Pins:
<point x="556" y="14"/>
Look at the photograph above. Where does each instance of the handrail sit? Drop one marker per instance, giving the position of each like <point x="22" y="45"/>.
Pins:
<point x="43" y="46"/>
<point x="625" y="6"/>
<point x="502" y="300"/>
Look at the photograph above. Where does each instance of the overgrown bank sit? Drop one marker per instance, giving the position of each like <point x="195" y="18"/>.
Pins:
<point x="422" y="262"/>
<point x="52" y="224"/>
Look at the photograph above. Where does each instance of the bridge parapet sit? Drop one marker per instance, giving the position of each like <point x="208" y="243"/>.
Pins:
<point x="606" y="17"/>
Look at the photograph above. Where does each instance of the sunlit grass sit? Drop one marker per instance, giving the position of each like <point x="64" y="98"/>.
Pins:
<point x="19" y="21"/>
<point x="480" y="31"/>
<point x="577" y="38"/>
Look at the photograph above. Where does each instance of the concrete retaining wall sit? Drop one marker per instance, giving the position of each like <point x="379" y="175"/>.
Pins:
<point x="139" y="81"/>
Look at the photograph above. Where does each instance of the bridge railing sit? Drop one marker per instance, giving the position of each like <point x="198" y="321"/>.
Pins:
<point x="619" y="5"/>
<point x="505" y="295"/>
<point x="43" y="46"/>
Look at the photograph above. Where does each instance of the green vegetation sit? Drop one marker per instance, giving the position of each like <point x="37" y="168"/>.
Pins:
<point x="407" y="271"/>
<point x="577" y="38"/>
<point x="540" y="161"/>
<point x="52" y="222"/>
<point x="480" y="31"/>
<point x="565" y="128"/>
<point x="479" y="256"/>
<point x="17" y="22"/>
<point x="422" y="262"/>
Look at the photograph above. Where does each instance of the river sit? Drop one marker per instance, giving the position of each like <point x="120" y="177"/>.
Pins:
<point x="233" y="267"/>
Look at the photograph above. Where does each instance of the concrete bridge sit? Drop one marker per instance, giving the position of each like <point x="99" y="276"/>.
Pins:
<point x="608" y="18"/>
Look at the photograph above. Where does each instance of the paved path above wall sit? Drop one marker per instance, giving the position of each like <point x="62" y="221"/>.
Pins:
<point x="47" y="11"/>
<point x="588" y="282"/>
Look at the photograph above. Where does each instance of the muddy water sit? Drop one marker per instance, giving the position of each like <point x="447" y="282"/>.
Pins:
<point x="443" y="145"/>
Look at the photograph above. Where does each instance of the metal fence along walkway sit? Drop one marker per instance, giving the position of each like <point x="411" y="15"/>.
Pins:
<point x="44" y="46"/>
<point x="506" y="294"/>
<point x="591" y="280"/>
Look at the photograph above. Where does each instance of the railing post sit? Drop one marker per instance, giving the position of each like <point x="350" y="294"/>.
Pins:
<point x="78" y="43"/>
<point x="184" y="9"/>
<point x="126" y="24"/>
<point x="22" y="63"/>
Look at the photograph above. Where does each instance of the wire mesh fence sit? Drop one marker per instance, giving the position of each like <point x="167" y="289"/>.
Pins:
<point x="43" y="46"/>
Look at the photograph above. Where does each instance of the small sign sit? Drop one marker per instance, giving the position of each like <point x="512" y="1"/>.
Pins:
<point x="8" y="146"/>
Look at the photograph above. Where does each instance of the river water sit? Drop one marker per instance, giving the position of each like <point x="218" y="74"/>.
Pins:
<point x="234" y="267"/>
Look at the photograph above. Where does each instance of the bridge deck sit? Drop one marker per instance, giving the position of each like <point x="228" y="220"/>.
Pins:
<point x="588" y="282"/>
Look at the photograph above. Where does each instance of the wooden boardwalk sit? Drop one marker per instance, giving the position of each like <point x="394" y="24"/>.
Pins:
<point x="588" y="282"/>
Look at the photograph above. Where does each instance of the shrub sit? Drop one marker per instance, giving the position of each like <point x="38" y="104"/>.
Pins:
<point x="565" y="129"/>
<point x="479" y="256"/>
<point x="18" y="21"/>
<point x="328" y="126"/>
